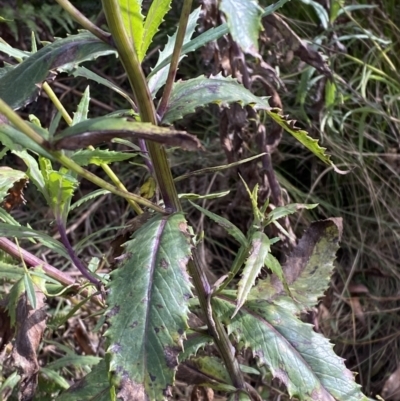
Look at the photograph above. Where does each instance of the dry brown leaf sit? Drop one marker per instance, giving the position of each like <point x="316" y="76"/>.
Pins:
<point x="30" y="327"/>
<point x="300" y="48"/>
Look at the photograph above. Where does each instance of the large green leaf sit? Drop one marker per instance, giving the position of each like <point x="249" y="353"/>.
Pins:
<point x="212" y="34"/>
<point x="188" y="95"/>
<point x="131" y="12"/>
<point x="154" y="18"/>
<point x="300" y="358"/>
<point x="104" y="129"/>
<point x="157" y="80"/>
<point x="244" y="22"/>
<point x="308" y="268"/>
<point x="20" y="86"/>
<point x="148" y="308"/>
<point x="93" y="387"/>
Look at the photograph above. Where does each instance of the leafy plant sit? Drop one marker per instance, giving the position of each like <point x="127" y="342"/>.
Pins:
<point x="159" y="278"/>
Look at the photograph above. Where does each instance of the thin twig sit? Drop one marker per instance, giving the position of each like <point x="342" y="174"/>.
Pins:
<point x="173" y="68"/>
<point x="74" y="257"/>
<point x="84" y="22"/>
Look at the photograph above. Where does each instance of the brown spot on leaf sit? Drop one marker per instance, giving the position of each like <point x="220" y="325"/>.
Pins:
<point x="131" y="391"/>
<point x="134" y="324"/>
<point x="30" y="326"/>
<point x="164" y="264"/>
<point x="114" y="311"/>
<point x="171" y="356"/>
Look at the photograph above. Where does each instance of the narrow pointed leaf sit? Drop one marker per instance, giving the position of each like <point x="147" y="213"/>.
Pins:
<point x="300" y="358"/>
<point x="225" y="224"/>
<point x="188" y="95"/>
<point x="104" y="129"/>
<point x="308" y="268"/>
<point x="158" y="79"/>
<point x="20" y="86"/>
<point x="99" y="156"/>
<point x="213" y="34"/>
<point x="154" y="18"/>
<point x="131" y="12"/>
<point x="244" y="22"/>
<point x="148" y="308"/>
<point x="85" y="73"/>
<point x="83" y="108"/>
<point x="283" y="211"/>
<point x="260" y="246"/>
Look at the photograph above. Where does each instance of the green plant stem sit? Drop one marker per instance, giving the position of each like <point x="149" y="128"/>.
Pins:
<point x="106" y="168"/>
<point x="143" y="99"/>
<point x="173" y="68"/>
<point x="67" y="162"/>
<point x="83" y="21"/>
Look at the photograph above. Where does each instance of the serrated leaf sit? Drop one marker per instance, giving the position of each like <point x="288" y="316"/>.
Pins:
<point x="300" y="358"/>
<point x="131" y="13"/>
<point x="154" y="18"/>
<point x="83" y="107"/>
<point x="16" y="53"/>
<point x="260" y="246"/>
<point x="148" y="308"/>
<point x="20" y="86"/>
<point x="10" y="272"/>
<point x="225" y="224"/>
<point x="188" y="95"/>
<point x="244" y="22"/>
<point x="212" y="34"/>
<point x="89" y="196"/>
<point x="283" y="211"/>
<point x="8" y="177"/>
<point x="85" y="157"/>
<point x="104" y="129"/>
<point x="308" y="268"/>
<point x="158" y="79"/>
<point x="192" y="343"/>
<point x="61" y="188"/>
<point x="93" y="387"/>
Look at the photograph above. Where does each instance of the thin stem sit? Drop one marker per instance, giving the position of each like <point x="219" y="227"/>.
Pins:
<point x="56" y="101"/>
<point x="173" y="68"/>
<point x="84" y="22"/>
<point x="75" y="260"/>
